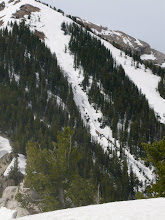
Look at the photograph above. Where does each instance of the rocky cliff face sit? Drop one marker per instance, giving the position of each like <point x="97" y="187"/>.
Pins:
<point x="127" y="42"/>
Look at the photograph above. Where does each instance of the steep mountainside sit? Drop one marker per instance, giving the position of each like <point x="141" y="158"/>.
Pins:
<point x="108" y="98"/>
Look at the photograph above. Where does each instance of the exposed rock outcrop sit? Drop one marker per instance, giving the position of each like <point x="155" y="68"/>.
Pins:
<point x="9" y="201"/>
<point x="2" y="6"/>
<point x="25" y="10"/>
<point x="39" y="34"/>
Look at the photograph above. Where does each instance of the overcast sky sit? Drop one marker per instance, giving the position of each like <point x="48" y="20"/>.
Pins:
<point x="143" y="19"/>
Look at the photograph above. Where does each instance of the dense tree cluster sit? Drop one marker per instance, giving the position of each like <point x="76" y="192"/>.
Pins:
<point x="124" y="107"/>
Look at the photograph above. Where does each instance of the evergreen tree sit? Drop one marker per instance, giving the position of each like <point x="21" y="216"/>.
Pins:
<point x="156" y="155"/>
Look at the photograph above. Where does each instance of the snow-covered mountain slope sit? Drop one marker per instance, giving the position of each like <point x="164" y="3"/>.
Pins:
<point x="144" y="79"/>
<point x="146" y="209"/>
<point x="46" y="23"/>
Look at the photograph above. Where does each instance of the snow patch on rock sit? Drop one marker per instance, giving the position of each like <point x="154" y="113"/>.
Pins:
<point x="148" y="57"/>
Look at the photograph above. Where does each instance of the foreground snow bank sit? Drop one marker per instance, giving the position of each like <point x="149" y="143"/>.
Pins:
<point x="7" y="214"/>
<point x="147" y="209"/>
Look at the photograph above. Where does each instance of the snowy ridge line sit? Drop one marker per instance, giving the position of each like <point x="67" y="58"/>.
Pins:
<point x="56" y="41"/>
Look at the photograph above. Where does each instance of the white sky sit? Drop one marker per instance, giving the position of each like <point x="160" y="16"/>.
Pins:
<point x="143" y="19"/>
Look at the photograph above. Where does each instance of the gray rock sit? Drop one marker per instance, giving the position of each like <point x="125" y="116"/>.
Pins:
<point x="9" y="201"/>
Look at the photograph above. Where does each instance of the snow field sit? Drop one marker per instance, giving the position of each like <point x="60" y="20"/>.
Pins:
<point x="146" y="209"/>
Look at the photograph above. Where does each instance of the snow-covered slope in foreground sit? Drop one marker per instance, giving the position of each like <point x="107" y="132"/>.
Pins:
<point x="146" y="209"/>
